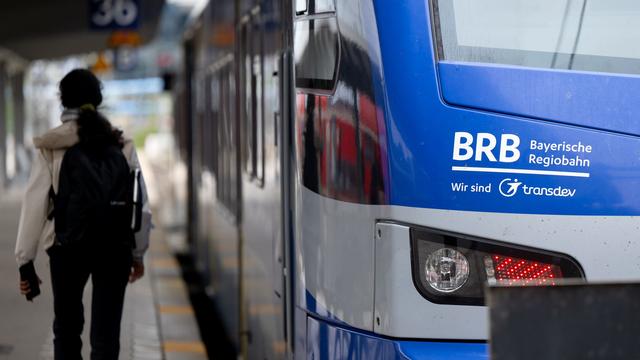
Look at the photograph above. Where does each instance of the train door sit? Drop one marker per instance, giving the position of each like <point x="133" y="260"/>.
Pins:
<point x="286" y="119"/>
<point x="192" y="54"/>
<point x="262" y="256"/>
<point x="224" y="192"/>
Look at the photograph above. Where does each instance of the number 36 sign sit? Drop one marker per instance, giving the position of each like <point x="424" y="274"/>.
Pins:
<point x="114" y="14"/>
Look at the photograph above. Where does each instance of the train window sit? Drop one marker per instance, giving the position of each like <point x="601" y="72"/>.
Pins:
<point x="207" y="128"/>
<point x="220" y="170"/>
<point x="258" y="108"/>
<point x="224" y="182"/>
<point x="301" y="7"/>
<point x="222" y="143"/>
<point x="316" y="52"/>
<point x="200" y="119"/>
<point x="597" y="35"/>
<point x="321" y="6"/>
<point x="246" y="83"/>
<point x="225" y="134"/>
<point x="314" y="6"/>
<point x="214" y="89"/>
<point x="252" y="98"/>
<point x="233" y="203"/>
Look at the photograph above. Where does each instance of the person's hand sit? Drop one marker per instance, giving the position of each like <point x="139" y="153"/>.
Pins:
<point x="24" y="286"/>
<point x="137" y="271"/>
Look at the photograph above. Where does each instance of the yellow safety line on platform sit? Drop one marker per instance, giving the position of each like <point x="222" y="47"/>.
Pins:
<point x="279" y="347"/>
<point x="173" y="282"/>
<point x="229" y="262"/>
<point x="164" y="263"/>
<point x="159" y="246"/>
<point x="176" y="309"/>
<point x="184" y="346"/>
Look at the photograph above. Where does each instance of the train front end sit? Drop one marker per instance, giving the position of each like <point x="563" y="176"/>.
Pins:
<point x="450" y="144"/>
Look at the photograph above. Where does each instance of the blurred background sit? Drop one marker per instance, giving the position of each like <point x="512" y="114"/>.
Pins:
<point x="137" y="54"/>
<point x="135" y="48"/>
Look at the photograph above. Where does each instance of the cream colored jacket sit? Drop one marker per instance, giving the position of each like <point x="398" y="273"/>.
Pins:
<point x="35" y="229"/>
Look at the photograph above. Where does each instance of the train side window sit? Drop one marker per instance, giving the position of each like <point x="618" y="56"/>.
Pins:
<point x="214" y="88"/>
<point x="258" y="88"/>
<point x="207" y="118"/>
<point x="224" y="148"/>
<point x="220" y="169"/>
<point x="316" y="53"/>
<point x="246" y="101"/>
<point x="301" y="7"/>
<point x="225" y="135"/>
<point x="200" y="120"/>
<point x="569" y="35"/>
<point x="231" y="113"/>
<point x="231" y="150"/>
<point x="321" y="6"/>
<point x="252" y="102"/>
<point x="314" y="7"/>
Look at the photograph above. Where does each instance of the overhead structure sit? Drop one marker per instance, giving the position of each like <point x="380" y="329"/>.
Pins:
<point x="36" y="29"/>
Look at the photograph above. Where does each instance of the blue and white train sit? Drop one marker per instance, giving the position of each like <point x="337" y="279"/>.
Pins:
<point x="359" y="170"/>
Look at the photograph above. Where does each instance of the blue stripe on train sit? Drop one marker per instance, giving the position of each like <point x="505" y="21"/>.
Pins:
<point x="326" y="341"/>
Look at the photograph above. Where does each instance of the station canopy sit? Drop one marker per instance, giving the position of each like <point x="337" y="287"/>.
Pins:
<point x="46" y="29"/>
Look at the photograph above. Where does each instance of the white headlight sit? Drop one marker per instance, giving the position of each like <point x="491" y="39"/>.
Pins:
<point x="446" y="270"/>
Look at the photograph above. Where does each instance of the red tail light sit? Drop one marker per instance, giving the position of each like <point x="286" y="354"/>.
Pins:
<point x="506" y="270"/>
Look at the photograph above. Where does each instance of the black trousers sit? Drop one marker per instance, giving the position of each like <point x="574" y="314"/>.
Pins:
<point x="70" y="270"/>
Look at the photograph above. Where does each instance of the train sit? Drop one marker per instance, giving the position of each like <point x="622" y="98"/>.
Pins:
<point x="360" y="170"/>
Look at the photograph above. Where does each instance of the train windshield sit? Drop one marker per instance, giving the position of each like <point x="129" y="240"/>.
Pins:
<point x="587" y="35"/>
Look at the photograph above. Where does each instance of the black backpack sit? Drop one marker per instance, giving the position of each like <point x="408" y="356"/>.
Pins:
<point x="95" y="201"/>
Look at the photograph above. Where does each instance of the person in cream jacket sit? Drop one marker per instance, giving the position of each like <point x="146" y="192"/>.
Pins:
<point x="35" y="230"/>
<point x="109" y="262"/>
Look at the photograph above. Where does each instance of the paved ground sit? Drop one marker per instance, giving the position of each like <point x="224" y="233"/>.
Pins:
<point x="158" y="321"/>
<point x="25" y="326"/>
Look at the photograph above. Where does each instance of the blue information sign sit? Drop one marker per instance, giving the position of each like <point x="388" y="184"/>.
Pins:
<point x="114" y="14"/>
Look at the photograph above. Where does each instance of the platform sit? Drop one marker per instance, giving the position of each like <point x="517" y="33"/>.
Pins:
<point x="158" y="320"/>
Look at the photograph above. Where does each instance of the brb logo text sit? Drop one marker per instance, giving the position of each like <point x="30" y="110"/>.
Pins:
<point x="483" y="146"/>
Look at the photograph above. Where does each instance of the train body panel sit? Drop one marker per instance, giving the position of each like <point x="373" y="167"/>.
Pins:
<point x="235" y="168"/>
<point x="591" y="169"/>
<point x="261" y="228"/>
<point x="403" y="312"/>
<point x="338" y="147"/>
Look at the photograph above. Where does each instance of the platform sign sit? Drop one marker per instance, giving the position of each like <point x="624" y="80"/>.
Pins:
<point x="114" y="14"/>
<point x="126" y="58"/>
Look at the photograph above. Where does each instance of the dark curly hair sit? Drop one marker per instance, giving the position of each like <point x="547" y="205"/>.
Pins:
<point x="80" y="89"/>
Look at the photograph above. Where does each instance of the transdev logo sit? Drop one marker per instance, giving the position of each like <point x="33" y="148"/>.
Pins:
<point x="509" y="188"/>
